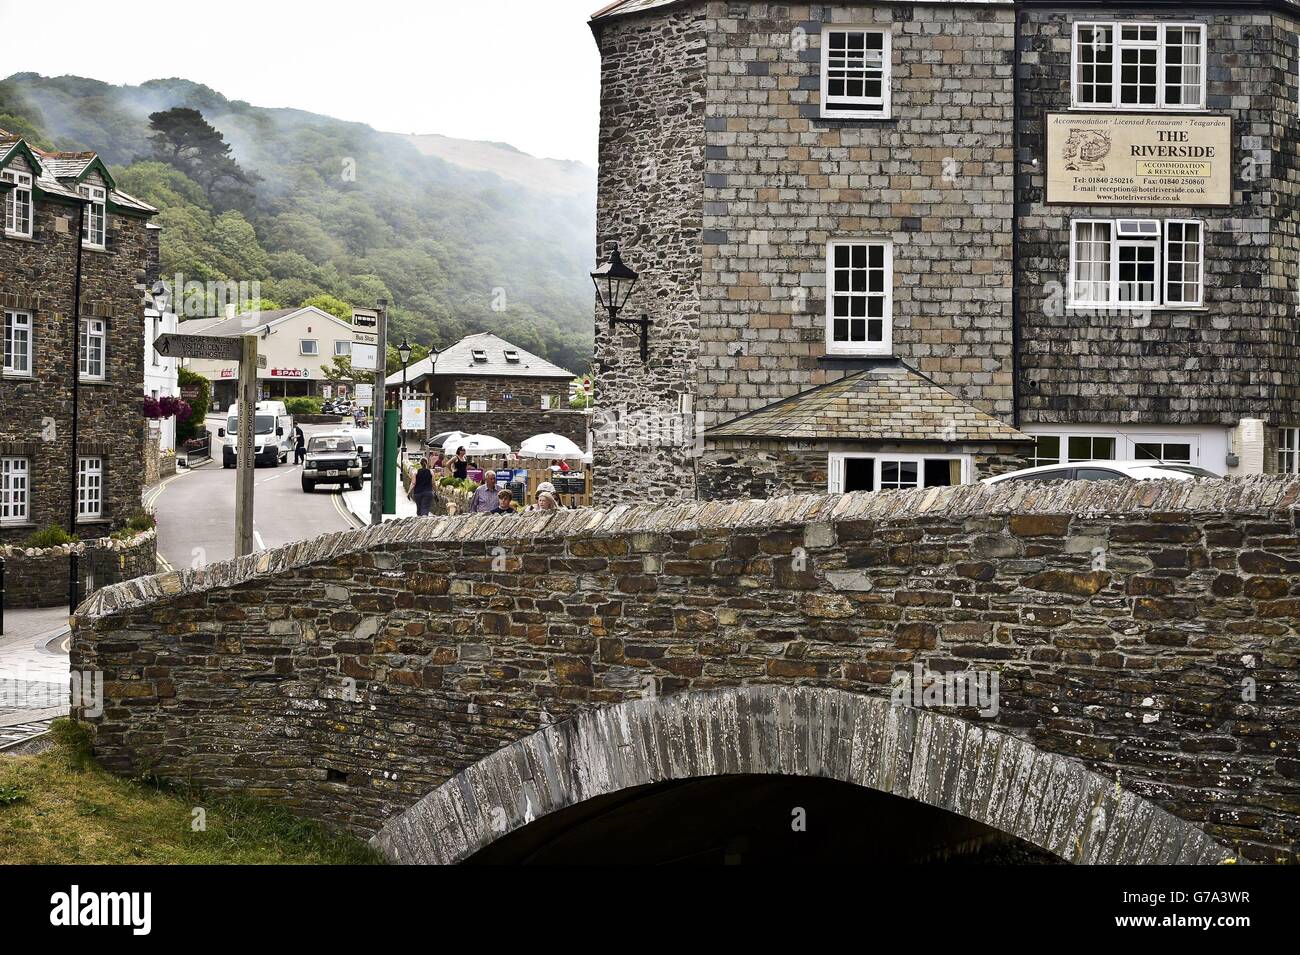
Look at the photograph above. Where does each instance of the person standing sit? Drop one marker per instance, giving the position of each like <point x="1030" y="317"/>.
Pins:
<point x="485" y="500"/>
<point x="422" y="489"/>
<point x="299" y="444"/>
<point x="460" y="465"/>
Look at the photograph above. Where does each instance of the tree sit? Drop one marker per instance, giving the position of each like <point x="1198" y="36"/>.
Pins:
<point x="184" y="139"/>
<point x="328" y="303"/>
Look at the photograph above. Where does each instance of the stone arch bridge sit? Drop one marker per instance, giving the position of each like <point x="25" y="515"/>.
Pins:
<point x="496" y="688"/>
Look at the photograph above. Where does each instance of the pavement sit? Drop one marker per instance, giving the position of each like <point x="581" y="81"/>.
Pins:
<point x="358" y="504"/>
<point x="33" y="672"/>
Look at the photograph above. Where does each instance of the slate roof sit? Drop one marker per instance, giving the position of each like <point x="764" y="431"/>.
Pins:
<point x="886" y="402"/>
<point x="459" y="360"/>
<point x="623" y="7"/>
<point x="58" y="170"/>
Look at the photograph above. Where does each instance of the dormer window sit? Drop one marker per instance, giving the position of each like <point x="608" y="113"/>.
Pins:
<point x="95" y="220"/>
<point x="18" y="204"/>
<point x="512" y="356"/>
<point x="855" y="73"/>
<point x="480" y="355"/>
<point x="1139" y="65"/>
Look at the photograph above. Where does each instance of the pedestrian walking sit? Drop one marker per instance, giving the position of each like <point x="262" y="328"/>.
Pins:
<point x="422" y="489"/>
<point x="299" y="444"/>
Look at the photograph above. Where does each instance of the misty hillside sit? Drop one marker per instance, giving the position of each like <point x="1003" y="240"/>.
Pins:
<point x="460" y="236"/>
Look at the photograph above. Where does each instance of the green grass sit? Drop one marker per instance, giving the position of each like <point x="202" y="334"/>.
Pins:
<point x="61" y="808"/>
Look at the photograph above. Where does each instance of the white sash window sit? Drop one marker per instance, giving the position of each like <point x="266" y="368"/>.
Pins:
<point x="1139" y="65"/>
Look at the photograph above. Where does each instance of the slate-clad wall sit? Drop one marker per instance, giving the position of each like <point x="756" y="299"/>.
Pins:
<point x="1240" y="356"/>
<point x="780" y="182"/>
<point x="1148" y="629"/>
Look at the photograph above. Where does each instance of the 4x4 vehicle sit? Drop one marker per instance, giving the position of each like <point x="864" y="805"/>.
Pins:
<point x="331" y="459"/>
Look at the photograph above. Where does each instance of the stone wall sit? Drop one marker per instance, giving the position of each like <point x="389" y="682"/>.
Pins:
<point x="512" y="394"/>
<point x="1147" y="629"/>
<point x="1240" y="355"/>
<point x="36" y="275"/>
<point x="512" y="427"/>
<point x="39" y="578"/>
<point x="650" y="201"/>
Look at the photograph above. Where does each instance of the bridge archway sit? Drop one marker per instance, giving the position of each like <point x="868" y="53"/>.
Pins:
<point x="976" y="772"/>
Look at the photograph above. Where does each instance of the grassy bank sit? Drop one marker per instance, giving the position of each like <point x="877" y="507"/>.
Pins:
<point x="59" y="807"/>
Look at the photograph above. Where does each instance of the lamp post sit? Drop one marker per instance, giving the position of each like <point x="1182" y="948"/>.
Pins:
<point x="614" y="282"/>
<point x="404" y="353"/>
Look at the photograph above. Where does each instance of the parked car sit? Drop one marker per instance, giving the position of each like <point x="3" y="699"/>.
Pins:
<point x="331" y="459"/>
<point x="1106" y="471"/>
<point x="363" y="438"/>
<point x="272" y="435"/>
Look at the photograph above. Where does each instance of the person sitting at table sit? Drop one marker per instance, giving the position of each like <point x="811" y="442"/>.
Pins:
<point x="460" y="464"/>
<point x="439" y="465"/>
<point x="485" y="500"/>
<point x="505" y="503"/>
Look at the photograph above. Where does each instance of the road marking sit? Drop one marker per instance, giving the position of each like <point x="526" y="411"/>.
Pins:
<point x="346" y="514"/>
<point x="157" y="492"/>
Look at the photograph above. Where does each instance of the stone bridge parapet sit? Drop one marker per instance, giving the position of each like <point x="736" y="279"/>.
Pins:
<point x="1145" y="632"/>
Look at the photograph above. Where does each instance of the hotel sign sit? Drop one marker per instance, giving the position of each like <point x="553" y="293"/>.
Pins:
<point x="1129" y="159"/>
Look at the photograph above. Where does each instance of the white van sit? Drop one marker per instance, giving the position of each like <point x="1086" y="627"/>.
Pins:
<point x="273" y="435"/>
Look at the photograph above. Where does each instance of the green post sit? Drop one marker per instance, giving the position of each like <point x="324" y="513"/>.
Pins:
<point x="392" y="419"/>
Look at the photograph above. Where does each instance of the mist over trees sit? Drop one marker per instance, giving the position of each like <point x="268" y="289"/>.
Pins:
<point x="311" y="206"/>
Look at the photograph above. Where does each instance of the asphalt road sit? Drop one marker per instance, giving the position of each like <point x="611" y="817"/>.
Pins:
<point x="196" y="510"/>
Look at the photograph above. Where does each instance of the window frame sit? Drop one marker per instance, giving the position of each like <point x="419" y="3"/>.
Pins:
<point x="342" y="348"/>
<point x="6" y="367"/>
<point x="1288" y="453"/>
<point x="886" y="345"/>
<point x="835" y="467"/>
<point x="1158" y="243"/>
<point x="88" y="333"/>
<point x="863" y="111"/>
<point x="7" y="495"/>
<point x="1161" y="47"/>
<point x="11" y="202"/>
<point x="315" y="347"/>
<point x="88" y="490"/>
<point x="98" y="196"/>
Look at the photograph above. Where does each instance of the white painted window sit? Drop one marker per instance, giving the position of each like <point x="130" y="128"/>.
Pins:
<point x="94" y="224"/>
<point x="1170" y="452"/>
<point x="890" y="471"/>
<point x="1047" y="450"/>
<point x="94" y="335"/>
<point x="1288" y="450"/>
<point x="1089" y="447"/>
<point x="17" y="343"/>
<point x="343" y="348"/>
<point x="15" y="490"/>
<point x="18" y="203"/>
<point x="90" y="488"/>
<point x="308" y="346"/>
<point x="855" y="73"/>
<point x="859" y="297"/>
<point x="1136" y="263"/>
<point x="1138" y="65"/>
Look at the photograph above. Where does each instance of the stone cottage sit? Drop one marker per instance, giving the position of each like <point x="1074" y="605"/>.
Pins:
<point x="908" y="244"/>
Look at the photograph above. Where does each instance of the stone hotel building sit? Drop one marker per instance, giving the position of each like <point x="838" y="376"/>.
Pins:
<point x="910" y="244"/>
<point x="40" y="193"/>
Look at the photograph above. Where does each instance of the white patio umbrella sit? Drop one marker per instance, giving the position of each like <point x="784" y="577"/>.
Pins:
<point x="550" y="446"/>
<point x="476" y="445"/>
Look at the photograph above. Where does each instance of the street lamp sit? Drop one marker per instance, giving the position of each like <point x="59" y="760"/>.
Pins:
<point x="403" y="352"/>
<point x="614" y="282"/>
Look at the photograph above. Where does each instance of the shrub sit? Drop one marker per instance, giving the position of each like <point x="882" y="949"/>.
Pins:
<point x="188" y="428"/>
<point x="52" y="536"/>
<point x="302" y="406"/>
<point x="141" y="521"/>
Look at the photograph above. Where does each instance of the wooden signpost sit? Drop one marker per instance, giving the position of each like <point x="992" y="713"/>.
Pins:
<point x="243" y="349"/>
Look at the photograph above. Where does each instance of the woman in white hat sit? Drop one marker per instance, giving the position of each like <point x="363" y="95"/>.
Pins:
<point x="547" y="499"/>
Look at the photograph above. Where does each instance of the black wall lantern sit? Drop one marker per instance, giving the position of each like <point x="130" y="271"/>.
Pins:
<point x="614" y="282"/>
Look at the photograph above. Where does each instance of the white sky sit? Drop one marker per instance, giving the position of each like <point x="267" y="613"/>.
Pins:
<point x="525" y="72"/>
